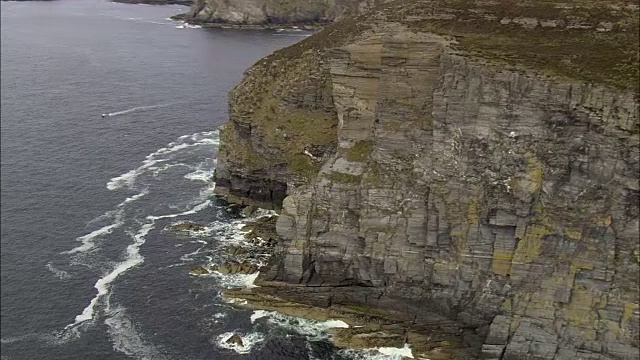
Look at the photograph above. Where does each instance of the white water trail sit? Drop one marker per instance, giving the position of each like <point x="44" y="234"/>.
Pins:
<point x="132" y="259"/>
<point x="61" y="274"/>
<point x="103" y="284"/>
<point x="129" y="344"/>
<point x="54" y="338"/>
<point x="127" y="338"/>
<point x="139" y="108"/>
<point x="88" y="240"/>
<point x="128" y="179"/>
<point x="196" y="209"/>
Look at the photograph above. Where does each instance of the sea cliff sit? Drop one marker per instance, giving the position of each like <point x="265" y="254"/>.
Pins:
<point x="471" y="167"/>
<point x="273" y="13"/>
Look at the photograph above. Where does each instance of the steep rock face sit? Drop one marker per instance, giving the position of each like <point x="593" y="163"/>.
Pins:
<point x="502" y="197"/>
<point x="287" y="12"/>
<point x="282" y="122"/>
<point x="505" y="194"/>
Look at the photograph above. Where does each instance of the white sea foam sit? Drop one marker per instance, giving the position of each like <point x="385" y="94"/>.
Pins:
<point x="189" y="256"/>
<point x="219" y="315"/>
<point x="127" y="338"/>
<point x="158" y="170"/>
<point x="103" y="284"/>
<point x="397" y="352"/>
<point x="259" y="314"/>
<point x="133" y="198"/>
<point x="108" y="215"/>
<point x="312" y="329"/>
<point x="188" y="26"/>
<point x="61" y="274"/>
<point x="199" y="175"/>
<point x="128" y="179"/>
<point x="51" y="338"/>
<point x="88" y="241"/>
<point x="248" y="342"/>
<point x="194" y="210"/>
<point x="237" y="280"/>
<point x="382" y="353"/>
<point x="13" y="339"/>
<point x="264" y="212"/>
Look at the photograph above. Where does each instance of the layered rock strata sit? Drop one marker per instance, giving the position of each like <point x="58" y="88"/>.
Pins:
<point x="473" y="165"/>
<point x="260" y="13"/>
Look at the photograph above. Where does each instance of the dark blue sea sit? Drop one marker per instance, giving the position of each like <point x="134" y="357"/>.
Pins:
<point x="89" y="266"/>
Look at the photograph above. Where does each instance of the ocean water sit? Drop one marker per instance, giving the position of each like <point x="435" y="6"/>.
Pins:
<point x="89" y="268"/>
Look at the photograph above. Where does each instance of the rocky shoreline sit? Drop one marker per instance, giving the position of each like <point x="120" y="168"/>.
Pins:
<point x="227" y="25"/>
<point x="370" y="327"/>
<point x="272" y="14"/>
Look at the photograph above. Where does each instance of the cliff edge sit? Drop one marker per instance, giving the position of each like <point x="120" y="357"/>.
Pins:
<point x="472" y="166"/>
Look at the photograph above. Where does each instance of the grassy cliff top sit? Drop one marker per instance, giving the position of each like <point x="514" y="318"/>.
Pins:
<point x="594" y="41"/>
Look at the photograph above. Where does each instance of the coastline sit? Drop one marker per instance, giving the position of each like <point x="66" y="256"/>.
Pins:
<point x="385" y="323"/>
<point x="156" y="2"/>
<point x="368" y="327"/>
<point x="227" y="25"/>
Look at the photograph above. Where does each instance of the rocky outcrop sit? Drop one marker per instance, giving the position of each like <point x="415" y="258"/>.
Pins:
<point x="475" y="166"/>
<point x="274" y="12"/>
<point x="157" y="2"/>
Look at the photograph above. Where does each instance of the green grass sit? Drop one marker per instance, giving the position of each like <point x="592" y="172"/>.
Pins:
<point x="343" y="178"/>
<point x="360" y="151"/>
<point x="609" y="58"/>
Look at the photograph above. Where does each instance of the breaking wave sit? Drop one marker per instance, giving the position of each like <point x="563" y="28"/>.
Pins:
<point x="382" y="353"/>
<point x="311" y="329"/>
<point x="248" y="342"/>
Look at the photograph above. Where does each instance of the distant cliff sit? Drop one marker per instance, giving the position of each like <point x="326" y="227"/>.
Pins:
<point x="274" y="12"/>
<point x="157" y="2"/>
<point x="472" y="166"/>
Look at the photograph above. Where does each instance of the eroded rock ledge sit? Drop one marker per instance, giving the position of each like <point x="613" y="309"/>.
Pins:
<point x="477" y="164"/>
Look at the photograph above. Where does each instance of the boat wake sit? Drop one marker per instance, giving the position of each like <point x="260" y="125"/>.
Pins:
<point x="138" y="108"/>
